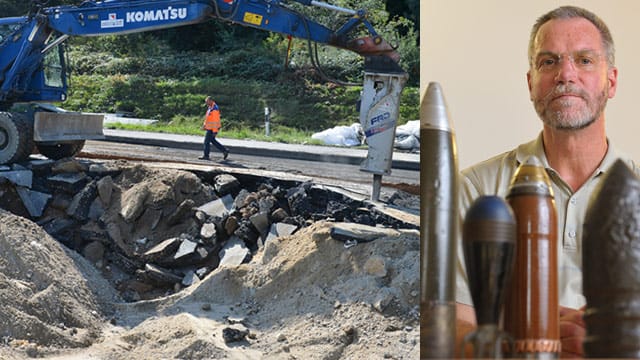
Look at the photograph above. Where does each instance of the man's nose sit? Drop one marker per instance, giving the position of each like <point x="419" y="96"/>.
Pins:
<point x="567" y="70"/>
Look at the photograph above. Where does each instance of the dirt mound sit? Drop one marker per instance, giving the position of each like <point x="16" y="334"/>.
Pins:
<point x="49" y="295"/>
<point x="341" y="303"/>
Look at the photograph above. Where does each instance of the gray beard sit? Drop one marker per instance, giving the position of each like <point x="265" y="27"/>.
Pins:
<point x="562" y="120"/>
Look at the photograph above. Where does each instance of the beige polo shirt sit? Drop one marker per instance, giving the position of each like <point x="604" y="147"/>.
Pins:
<point x="492" y="177"/>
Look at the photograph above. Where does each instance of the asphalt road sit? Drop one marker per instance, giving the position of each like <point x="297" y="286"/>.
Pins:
<point x="329" y="164"/>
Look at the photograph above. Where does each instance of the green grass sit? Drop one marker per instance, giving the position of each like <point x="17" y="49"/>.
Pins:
<point x="280" y="134"/>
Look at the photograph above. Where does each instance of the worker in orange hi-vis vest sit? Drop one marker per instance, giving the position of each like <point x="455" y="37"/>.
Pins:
<point x="212" y="126"/>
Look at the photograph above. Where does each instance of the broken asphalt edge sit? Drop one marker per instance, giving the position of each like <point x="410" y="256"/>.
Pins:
<point x="342" y="155"/>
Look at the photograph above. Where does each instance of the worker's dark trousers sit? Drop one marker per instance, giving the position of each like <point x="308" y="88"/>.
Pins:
<point x="210" y="138"/>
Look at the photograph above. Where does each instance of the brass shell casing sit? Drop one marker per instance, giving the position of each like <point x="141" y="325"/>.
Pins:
<point x="531" y="314"/>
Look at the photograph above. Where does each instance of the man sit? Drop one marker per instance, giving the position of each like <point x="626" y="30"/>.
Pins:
<point x="212" y="125"/>
<point x="571" y="75"/>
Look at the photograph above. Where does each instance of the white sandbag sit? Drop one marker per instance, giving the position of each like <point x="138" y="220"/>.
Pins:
<point x="410" y="128"/>
<point x="341" y="135"/>
<point x="410" y="143"/>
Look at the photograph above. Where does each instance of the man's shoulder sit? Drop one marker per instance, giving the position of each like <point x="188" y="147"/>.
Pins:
<point x="493" y="164"/>
<point x="491" y="176"/>
<point x="506" y="162"/>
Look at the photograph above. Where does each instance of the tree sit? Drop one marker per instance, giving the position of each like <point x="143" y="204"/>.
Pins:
<point x="344" y="65"/>
<point x="13" y="7"/>
<point x="22" y="7"/>
<point x="409" y="9"/>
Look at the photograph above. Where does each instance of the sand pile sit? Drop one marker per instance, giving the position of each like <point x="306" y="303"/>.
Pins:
<point x="50" y="296"/>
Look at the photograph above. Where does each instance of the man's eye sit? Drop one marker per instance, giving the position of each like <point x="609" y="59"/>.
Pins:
<point x="547" y="62"/>
<point x="584" y="60"/>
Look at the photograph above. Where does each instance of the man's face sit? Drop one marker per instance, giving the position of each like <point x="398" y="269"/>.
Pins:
<point x="569" y="79"/>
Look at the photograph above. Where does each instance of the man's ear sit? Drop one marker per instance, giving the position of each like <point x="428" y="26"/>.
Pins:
<point x="529" y="84"/>
<point x="612" y="78"/>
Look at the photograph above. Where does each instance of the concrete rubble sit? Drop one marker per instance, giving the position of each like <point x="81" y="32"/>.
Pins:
<point x="152" y="232"/>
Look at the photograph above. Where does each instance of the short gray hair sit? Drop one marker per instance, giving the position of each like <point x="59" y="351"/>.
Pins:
<point x="571" y="12"/>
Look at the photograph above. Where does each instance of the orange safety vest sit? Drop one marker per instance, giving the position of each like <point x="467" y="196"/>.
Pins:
<point x="212" y="119"/>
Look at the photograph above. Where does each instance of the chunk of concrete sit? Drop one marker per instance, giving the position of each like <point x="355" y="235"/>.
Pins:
<point x="105" y="170"/>
<point x="194" y="258"/>
<point x="133" y="201"/>
<point x="219" y="207"/>
<point x="151" y="216"/>
<point x="202" y="272"/>
<point x="186" y="185"/>
<point x="226" y="184"/>
<point x="68" y="182"/>
<point x="247" y="233"/>
<point x="34" y="201"/>
<point x="187" y="247"/>
<point x="39" y="165"/>
<point x="68" y="165"/>
<point x="241" y="199"/>
<point x="299" y="201"/>
<point x="266" y="203"/>
<point x="233" y="253"/>
<point x="200" y="216"/>
<point x="359" y="233"/>
<point x="61" y="201"/>
<point x="19" y="177"/>
<point x="17" y="166"/>
<point x="260" y="221"/>
<point x="88" y="234"/>
<point x="96" y="210"/>
<point x="208" y="231"/>
<point x="234" y="334"/>
<point x="81" y="202"/>
<point x="280" y="229"/>
<point x="190" y="278"/>
<point x="113" y="229"/>
<point x="105" y="189"/>
<point x="163" y="249"/>
<point x="279" y="214"/>
<point x="181" y="212"/>
<point x="161" y="275"/>
<point x="58" y="226"/>
<point x="231" y="225"/>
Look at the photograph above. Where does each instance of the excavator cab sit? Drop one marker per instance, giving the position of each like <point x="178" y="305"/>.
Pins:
<point x="49" y="83"/>
<point x="53" y="69"/>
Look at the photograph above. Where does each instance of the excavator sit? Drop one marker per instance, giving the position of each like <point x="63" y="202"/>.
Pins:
<point x="34" y="73"/>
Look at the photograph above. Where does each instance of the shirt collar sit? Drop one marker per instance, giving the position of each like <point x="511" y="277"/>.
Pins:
<point x="532" y="148"/>
<point x="536" y="148"/>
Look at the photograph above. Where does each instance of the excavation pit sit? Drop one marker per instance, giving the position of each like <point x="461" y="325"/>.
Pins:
<point x="99" y="244"/>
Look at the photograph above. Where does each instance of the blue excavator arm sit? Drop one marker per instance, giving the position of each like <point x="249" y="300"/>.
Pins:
<point x="121" y="17"/>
